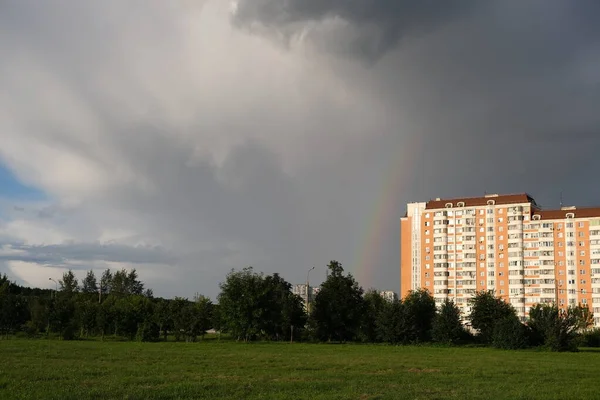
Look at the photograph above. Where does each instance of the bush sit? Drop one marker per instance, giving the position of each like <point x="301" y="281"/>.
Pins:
<point x="591" y="338"/>
<point x="510" y="334"/>
<point x="148" y="332"/>
<point x="557" y="328"/>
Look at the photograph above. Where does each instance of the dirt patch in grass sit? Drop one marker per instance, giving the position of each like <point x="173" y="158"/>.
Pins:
<point x="423" y="370"/>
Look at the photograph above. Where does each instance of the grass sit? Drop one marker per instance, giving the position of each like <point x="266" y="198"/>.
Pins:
<point x="47" y="369"/>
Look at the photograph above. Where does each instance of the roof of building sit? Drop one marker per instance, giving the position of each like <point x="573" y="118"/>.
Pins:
<point x="588" y="212"/>
<point x="482" y="201"/>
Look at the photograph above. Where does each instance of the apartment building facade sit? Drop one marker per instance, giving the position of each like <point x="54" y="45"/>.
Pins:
<point x="388" y="295"/>
<point x="507" y="243"/>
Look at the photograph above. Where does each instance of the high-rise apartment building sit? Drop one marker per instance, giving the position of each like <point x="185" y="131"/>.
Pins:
<point x="455" y="247"/>
<point x="388" y="295"/>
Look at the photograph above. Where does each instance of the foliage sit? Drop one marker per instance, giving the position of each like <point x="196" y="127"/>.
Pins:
<point x="486" y="310"/>
<point x="394" y="323"/>
<point x="373" y="306"/>
<point x="591" y="338"/>
<point x="420" y="309"/>
<point x="252" y="306"/>
<point x="447" y="325"/>
<point x="68" y="283"/>
<point x="89" y="284"/>
<point x="510" y="334"/>
<point x="556" y="328"/>
<point x="338" y="306"/>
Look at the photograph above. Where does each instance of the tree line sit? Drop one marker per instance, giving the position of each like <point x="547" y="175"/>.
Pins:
<point x="253" y="306"/>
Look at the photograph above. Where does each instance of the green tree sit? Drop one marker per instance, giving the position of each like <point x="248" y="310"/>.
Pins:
<point x="106" y="283"/>
<point x="240" y="301"/>
<point x="420" y="309"/>
<point x="163" y="317"/>
<point x="338" y="307"/>
<point x="86" y="310"/>
<point x="486" y="310"/>
<point x="89" y="285"/>
<point x="556" y="328"/>
<point x="510" y="334"/>
<point x="447" y="325"/>
<point x="68" y="283"/>
<point x="202" y="315"/>
<point x="394" y="324"/>
<point x="374" y="305"/>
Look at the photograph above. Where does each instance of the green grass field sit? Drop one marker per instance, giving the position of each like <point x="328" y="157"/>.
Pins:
<point x="47" y="369"/>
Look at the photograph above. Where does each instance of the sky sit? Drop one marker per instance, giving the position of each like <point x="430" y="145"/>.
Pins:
<point x="188" y="138"/>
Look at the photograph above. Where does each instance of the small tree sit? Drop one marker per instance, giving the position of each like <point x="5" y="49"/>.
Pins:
<point x="447" y="325"/>
<point x="420" y="307"/>
<point x="486" y="310"/>
<point x="374" y="305"/>
<point x="68" y="283"/>
<point x="89" y="284"/>
<point x="338" y="307"/>
<point x="556" y="328"/>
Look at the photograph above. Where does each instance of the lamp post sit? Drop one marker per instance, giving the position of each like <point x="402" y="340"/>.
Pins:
<point x="56" y="286"/>
<point x="307" y="291"/>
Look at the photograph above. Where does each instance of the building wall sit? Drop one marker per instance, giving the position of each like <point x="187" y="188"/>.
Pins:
<point x="507" y="243"/>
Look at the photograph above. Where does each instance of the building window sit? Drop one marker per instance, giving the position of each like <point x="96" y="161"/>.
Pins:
<point x="581" y="224"/>
<point x="581" y="234"/>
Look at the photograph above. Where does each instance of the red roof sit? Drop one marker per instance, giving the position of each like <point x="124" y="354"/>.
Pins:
<point x="588" y="212"/>
<point x="482" y="201"/>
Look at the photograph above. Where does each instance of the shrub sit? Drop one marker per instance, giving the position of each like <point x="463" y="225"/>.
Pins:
<point x="148" y="331"/>
<point x="591" y="338"/>
<point x="510" y="333"/>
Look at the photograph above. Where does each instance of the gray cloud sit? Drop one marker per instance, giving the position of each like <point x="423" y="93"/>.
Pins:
<point x="380" y="24"/>
<point x="176" y="130"/>
<point x="60" y="254"/>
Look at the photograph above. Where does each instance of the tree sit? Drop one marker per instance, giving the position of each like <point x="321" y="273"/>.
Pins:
<point x="374" y="305"/>
<point x="163" y="316"/>
<point x="89" y="284"/>
<point x="106" y="282"/>
<point x="239" y="302"/>
<point x="394" y="323"/>
<point x="486" y="310"/>
<point x="510" y="334"/>
<point x="557" y="329"/>
<point x="202" y="315"/>
<point x="420" y="309"/>
<point x="338" y="307"/>
<point x="69" y="283"/>
<point x="447" y="325"/>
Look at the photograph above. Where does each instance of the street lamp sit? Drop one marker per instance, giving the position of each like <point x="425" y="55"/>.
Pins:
<point x="56" y="284"/>
<point x="307" y="290"/>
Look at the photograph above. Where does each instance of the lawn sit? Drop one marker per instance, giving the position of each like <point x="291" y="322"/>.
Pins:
<point x="47" y="369"/>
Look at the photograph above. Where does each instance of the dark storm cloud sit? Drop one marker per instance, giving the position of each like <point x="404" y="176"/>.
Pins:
<point x="170" y="127"/>
<point x="381" y="23"/>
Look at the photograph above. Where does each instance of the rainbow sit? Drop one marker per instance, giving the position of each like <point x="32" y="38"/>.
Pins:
<point x="385" y="217"/>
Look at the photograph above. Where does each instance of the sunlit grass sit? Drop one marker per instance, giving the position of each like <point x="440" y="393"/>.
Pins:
<point x="228" y="370"/>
